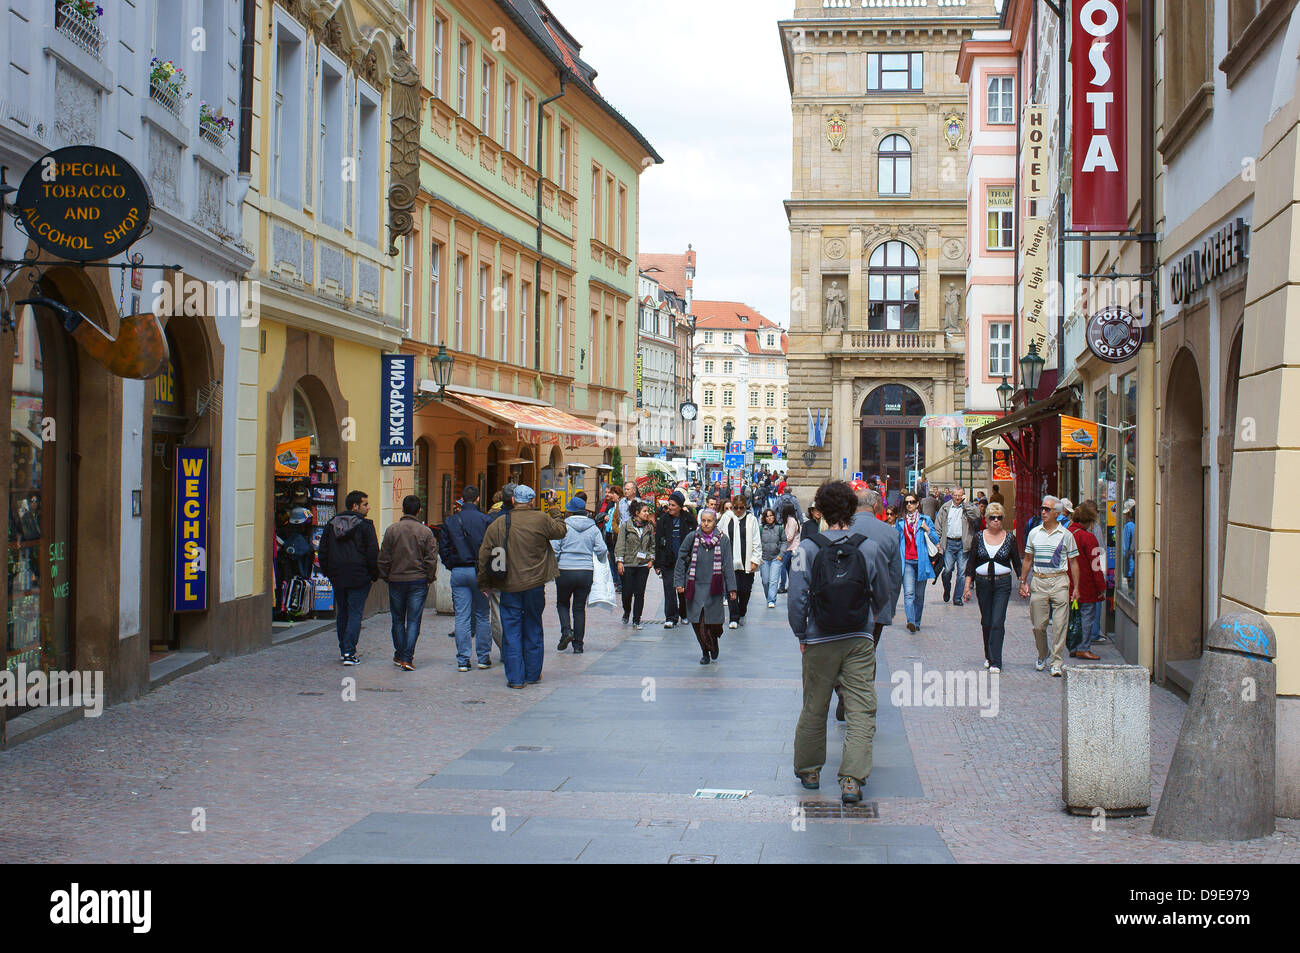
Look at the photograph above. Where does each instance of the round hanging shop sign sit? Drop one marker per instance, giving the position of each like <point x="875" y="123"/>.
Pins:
<point x="1114" y="334"/>
<point x="83" y="203"/>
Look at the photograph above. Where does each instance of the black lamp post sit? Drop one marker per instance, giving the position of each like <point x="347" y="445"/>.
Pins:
<point x="1031" y="368"/>
<point x="442" y="365"/>
<point x="728" y="431"/>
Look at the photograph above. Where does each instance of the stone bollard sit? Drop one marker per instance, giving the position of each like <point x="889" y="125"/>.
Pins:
<point x="1106" y="740"/>
<point x="1221" y="780"/>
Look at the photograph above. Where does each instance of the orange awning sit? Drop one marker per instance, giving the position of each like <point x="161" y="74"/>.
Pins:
<point x="534" y="423"/>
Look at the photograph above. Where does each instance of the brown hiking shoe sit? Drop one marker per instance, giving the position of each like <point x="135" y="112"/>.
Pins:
<point x="850" y="790"/>
<point x="809" y="779"/>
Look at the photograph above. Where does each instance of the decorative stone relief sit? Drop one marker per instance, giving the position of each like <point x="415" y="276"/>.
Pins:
<point x="953" y="248"/>
<point x="286" y="248"/>
<point x="347" y="275"/>
<point x="164" y="169"/>
<point x="835" y="248"/>
<point x="76" y="108"/>
<point x="212" y="197"/>
<point x="308" y="182"/>
<point x="405" y="146"/>
<point x="308" y="265"/>
<point x="367" y="280"/>
<point x="331" y="264"/>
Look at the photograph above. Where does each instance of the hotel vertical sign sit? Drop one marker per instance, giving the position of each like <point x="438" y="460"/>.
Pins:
<point x="190" y="528"/>
<point x="1100" y="143"/>
<point x="1036" y="154"/>
<point x="397" y="411"/>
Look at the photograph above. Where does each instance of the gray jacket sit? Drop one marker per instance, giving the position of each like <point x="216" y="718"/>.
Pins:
<point x="799" y="609"/>
<point x="581" y="544"/>
<point x="773" y="538"/>
<point x="879" y="531"/>
<point x="968" y="527"/>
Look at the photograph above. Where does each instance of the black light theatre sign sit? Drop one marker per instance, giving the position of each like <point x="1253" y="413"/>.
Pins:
<point x="1114" y="334"/>
<point x="83" y="203"/>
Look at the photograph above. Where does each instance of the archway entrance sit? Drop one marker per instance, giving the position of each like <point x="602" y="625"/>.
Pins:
<point x="1183" y="558"/>
<point x="893" y="442"/>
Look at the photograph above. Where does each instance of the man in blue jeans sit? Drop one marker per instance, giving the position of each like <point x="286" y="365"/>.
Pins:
<point x="458" y="545"/>
<point x="516" y="559"/>
<point x="349" y="556"/>
<point x="408" y="559"/>
<point x="957" y="523"/>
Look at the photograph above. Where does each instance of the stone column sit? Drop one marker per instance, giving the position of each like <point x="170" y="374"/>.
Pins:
<point x="855" y="313"/>
<point x="1263" y="539"/>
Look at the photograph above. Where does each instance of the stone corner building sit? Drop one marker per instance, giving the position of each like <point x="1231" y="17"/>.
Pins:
<point x="878" y="233"/>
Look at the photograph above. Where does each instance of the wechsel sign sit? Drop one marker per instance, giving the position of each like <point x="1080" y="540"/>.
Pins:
<point x="190" y="547"/>
<point x="397" y="410"/>
<point x="83" y="203"/>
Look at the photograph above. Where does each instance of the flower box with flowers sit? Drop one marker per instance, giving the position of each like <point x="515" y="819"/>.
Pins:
<point x="213" y="126"/>
<point x="167" y="84"/>
<point x="77" y="20"/>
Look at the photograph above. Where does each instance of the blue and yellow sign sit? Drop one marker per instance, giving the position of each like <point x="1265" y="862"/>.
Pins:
<point x="190" y="522"/>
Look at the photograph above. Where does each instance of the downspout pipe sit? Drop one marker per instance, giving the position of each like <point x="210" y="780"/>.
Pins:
<point x="537" y="268"/>
<point x="246" y="46"/>
<point x="1147" y="470"/>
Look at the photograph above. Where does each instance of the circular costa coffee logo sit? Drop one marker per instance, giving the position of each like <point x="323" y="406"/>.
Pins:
<point x="83" y="203"/>
<point x="1114" y="334"/>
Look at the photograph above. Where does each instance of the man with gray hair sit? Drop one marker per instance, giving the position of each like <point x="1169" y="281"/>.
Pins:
<point x="1053" y="555"/>
<point x="957" y="521"/>
<point x="866" y="523"/>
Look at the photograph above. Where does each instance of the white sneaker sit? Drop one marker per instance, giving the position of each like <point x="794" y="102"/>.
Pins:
<point x="668" y="625"/>
<point x="732" y="625"/>
<point x="1040" y="665"/>
<point x="986" y="663"/>
<point x="994" y="670"/>
<point x="1056" y="671"/>
<point x="771" y="605"/>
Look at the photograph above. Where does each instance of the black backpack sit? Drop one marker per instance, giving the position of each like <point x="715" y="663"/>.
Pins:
<point x="839" y="592"/>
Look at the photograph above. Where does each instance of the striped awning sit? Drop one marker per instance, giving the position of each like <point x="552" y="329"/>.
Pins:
<point x="532" y="423"/>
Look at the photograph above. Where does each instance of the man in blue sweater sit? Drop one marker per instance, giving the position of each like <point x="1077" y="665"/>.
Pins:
<point x="458" y="545"/>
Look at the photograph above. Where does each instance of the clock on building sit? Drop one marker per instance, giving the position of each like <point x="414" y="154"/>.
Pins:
<point x="689" y="411"/>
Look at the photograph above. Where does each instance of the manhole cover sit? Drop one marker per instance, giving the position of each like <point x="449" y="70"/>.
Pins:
<point x="381" y="689"/>
<point x="721" y="794"/>
<point x="834" y="810"/>
<point x="311" y="693"/>
<point x="527" y="748"/>
<point x="693" y="859"/>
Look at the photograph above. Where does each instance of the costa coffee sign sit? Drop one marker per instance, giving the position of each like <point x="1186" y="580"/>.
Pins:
<point x="1098" y="62"/>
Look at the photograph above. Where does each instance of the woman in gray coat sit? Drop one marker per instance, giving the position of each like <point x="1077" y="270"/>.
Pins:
<point x="704" y="575"/>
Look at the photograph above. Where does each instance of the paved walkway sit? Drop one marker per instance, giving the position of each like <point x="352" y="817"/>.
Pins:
<point x="597" y="763"/>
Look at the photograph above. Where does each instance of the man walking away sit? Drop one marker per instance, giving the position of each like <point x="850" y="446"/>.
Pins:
<point x="839" y="587"/>
<point x="349" y="556"/>
<point x="576" y="555"/>
<point x="957" y="522"/>
<point x="493" y="596"/>
<point x="462" y="535"/>
<point x="930" y="504"/>
<point x="516" y="560"/>
<point x="864" y="521"/>
<point x="1052" y="553"/>
<point x="408" y="560"/>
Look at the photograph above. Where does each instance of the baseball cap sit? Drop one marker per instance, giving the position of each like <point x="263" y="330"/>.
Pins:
<point x="576" y="505"/>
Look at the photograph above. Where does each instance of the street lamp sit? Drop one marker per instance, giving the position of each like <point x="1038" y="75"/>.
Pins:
<point x="728" y="430"/>
<point x="1031" y="368"/>
<point x="1004" y="394"/>
<point x="442" y="365"/>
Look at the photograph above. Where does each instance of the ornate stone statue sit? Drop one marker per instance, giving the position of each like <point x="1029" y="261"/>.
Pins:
<point x="405" y="139"/>
<point x="952" y="309"/>
<point x="835" y="308"/>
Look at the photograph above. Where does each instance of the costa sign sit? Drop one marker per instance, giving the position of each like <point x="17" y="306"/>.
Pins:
<point x="1100" y="150"/>
<point x="1114" y="334"/>
<point x="83" y="203"/>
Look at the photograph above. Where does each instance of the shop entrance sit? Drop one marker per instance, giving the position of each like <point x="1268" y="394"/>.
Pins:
<point x="893" y="442"/>
<point x="169" y="426"/>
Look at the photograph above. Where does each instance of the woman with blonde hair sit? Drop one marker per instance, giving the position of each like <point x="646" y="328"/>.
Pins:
<point x="993" y="564"/>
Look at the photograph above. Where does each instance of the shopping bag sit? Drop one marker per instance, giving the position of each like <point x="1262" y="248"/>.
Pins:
<point x="602" y="584"/>
<point x="1074" y="635"/>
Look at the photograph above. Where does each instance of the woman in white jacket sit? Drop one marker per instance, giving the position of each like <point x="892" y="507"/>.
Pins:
<point x="740" y="526"/>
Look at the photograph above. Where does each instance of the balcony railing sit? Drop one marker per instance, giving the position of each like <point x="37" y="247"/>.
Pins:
<point x="214" y="136"/>
<point x="81" y="30"/>
<point x="168" y="95"/>
<point x="893" y="341"/>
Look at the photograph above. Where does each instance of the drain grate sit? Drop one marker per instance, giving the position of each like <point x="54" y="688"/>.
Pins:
<point x="693" y="859"/>
<point x="834" y="810"/>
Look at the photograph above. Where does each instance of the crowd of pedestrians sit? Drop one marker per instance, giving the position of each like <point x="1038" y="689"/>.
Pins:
<point x="845" y="566"/>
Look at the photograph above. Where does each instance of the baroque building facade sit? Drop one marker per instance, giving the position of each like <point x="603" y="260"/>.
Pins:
<point x="878" y="238"/>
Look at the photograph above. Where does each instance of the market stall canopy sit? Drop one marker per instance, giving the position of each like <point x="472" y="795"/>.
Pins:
<point x="532" y="423"/>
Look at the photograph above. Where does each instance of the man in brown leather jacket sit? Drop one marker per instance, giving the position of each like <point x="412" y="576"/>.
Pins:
<point x="408" y="560"/>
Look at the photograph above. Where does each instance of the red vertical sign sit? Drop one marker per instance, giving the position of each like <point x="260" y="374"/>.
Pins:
<point x="1100" y="140"/>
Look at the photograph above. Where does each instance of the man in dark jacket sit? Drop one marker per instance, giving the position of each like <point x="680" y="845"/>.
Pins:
<point x="462" y="535"/>
<point x="674" y="525"/>
<point x="408" y="560"/>
<point x="349" y="556"/>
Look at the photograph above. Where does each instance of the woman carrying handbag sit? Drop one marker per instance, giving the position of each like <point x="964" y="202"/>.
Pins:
<point x="994" y="563"/>
<point x="918" y="542"/>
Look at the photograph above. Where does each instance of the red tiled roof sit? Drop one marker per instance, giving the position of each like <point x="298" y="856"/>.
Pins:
<point x="753" y="347"/>
<point x="727" y="314"/>
<point x="669" y="270"/>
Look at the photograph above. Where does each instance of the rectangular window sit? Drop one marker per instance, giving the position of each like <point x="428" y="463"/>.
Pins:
<point x="708" y="434"/>
<point x="408" y="289"/>
<point x="485" y="98"/>
<point x="462" y="78"/>
<point x="888" y="72"/>
<point x="1000" y="349"/>
<point x="503" y="316"/>
<point x="769" y="399"/>
<point x="525" y="299"/>
<point x="526" y="145"/>
<point x="460" y="303"/>
<point x="708" y="337"/>
<point x="1127" y="489"/>
<point x="563" y="180"/>
<point x="561" y="308"/>
<point x="1001" y="219"/>
<point x="1001" y="104"/>
<point x="484" y="281"/>
<point x="439" y="30"/>
<point x="726" y="337"/>
<point x="411" y="27"/>
<point x="368" y="171"/>
<point x="289" y="69"/>
<point x="435" y="276"/>
<point x="620" y="230"/>
<point x="753" y="398"/>
<point x="708" y="367"/>
<point x="507" y="105"/>
<point x="728" y="397"/>
<point x="595" y="202"/>
<point x="771" y="340"/>
<point x="708" y="397"/>
<point x="771" y="434"/>
<point x="728" y="367"/>
<point x="783" y="398"/>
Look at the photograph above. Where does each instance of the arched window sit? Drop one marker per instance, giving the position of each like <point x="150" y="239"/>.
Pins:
<point x="894" y="166"/>
<point x="893" y="288"/>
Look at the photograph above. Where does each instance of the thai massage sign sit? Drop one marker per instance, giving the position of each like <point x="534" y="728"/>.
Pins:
<point x="397" y="410"/>
<point x="190" y="529"/>
<point x="1100" y="152"/>
<point x="83" y="203"/>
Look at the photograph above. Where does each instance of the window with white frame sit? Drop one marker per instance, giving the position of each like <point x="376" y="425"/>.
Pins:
<point x="753" y="398"/>
<point x="408" y="283"/>
<point x="771" y="339"/>
<point x="769" y="398"/>
<point x="894" y="166"/>
<point x="507" y="106"/>
<point x="728" y="367"/>
<point x="439" y="33"/>
<point x="728" y="397"/>
<point x="1001" y="218"/>
<point x="563" y="180"/>
<point x="770" y="434"/>
<point x="708" y="367"/>
<point x="526" y="136"/>
<point x="411" y="26"/>
<point x="708" y="337"/>
<point x="783" y="398"/>
<point x="895" y="72"/>
<point x="502" y="309"/>
<point x="525" y="299"/>
<point x="708" y="433"/>
<point x="462" y="77"/>
<point x="333" y="132"/>
<point x="484" y="282"/>
<point x="1001" y="101"/>
<point x="485" y="96"/>
<point x="561" y="309"/>
<point x="595" y="203"/>
<point x="368" y="168"/>
<point x="460" y="303"/>
<point x="1000" y="349"/>
<point x="287" y="115"/>
<point x="726" y="337"/>
<point x="435" y="278"/>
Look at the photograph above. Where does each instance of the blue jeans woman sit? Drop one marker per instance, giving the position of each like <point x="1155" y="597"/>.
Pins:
<point x="913" y="530"/>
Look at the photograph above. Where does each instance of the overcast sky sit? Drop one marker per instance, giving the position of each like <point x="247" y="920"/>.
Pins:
<point x="705" y="83"/>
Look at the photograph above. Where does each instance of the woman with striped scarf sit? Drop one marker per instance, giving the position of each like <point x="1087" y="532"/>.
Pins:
<point x="706" y="577"/>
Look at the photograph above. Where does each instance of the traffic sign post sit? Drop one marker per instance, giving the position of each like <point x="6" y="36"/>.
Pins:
<point x="734" y="461"/>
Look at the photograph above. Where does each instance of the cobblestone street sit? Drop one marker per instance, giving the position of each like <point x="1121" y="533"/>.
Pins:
<point x="597" y="763"/>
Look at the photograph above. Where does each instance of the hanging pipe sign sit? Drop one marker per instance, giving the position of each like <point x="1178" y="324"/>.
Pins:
<point x="83" y="203"/>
